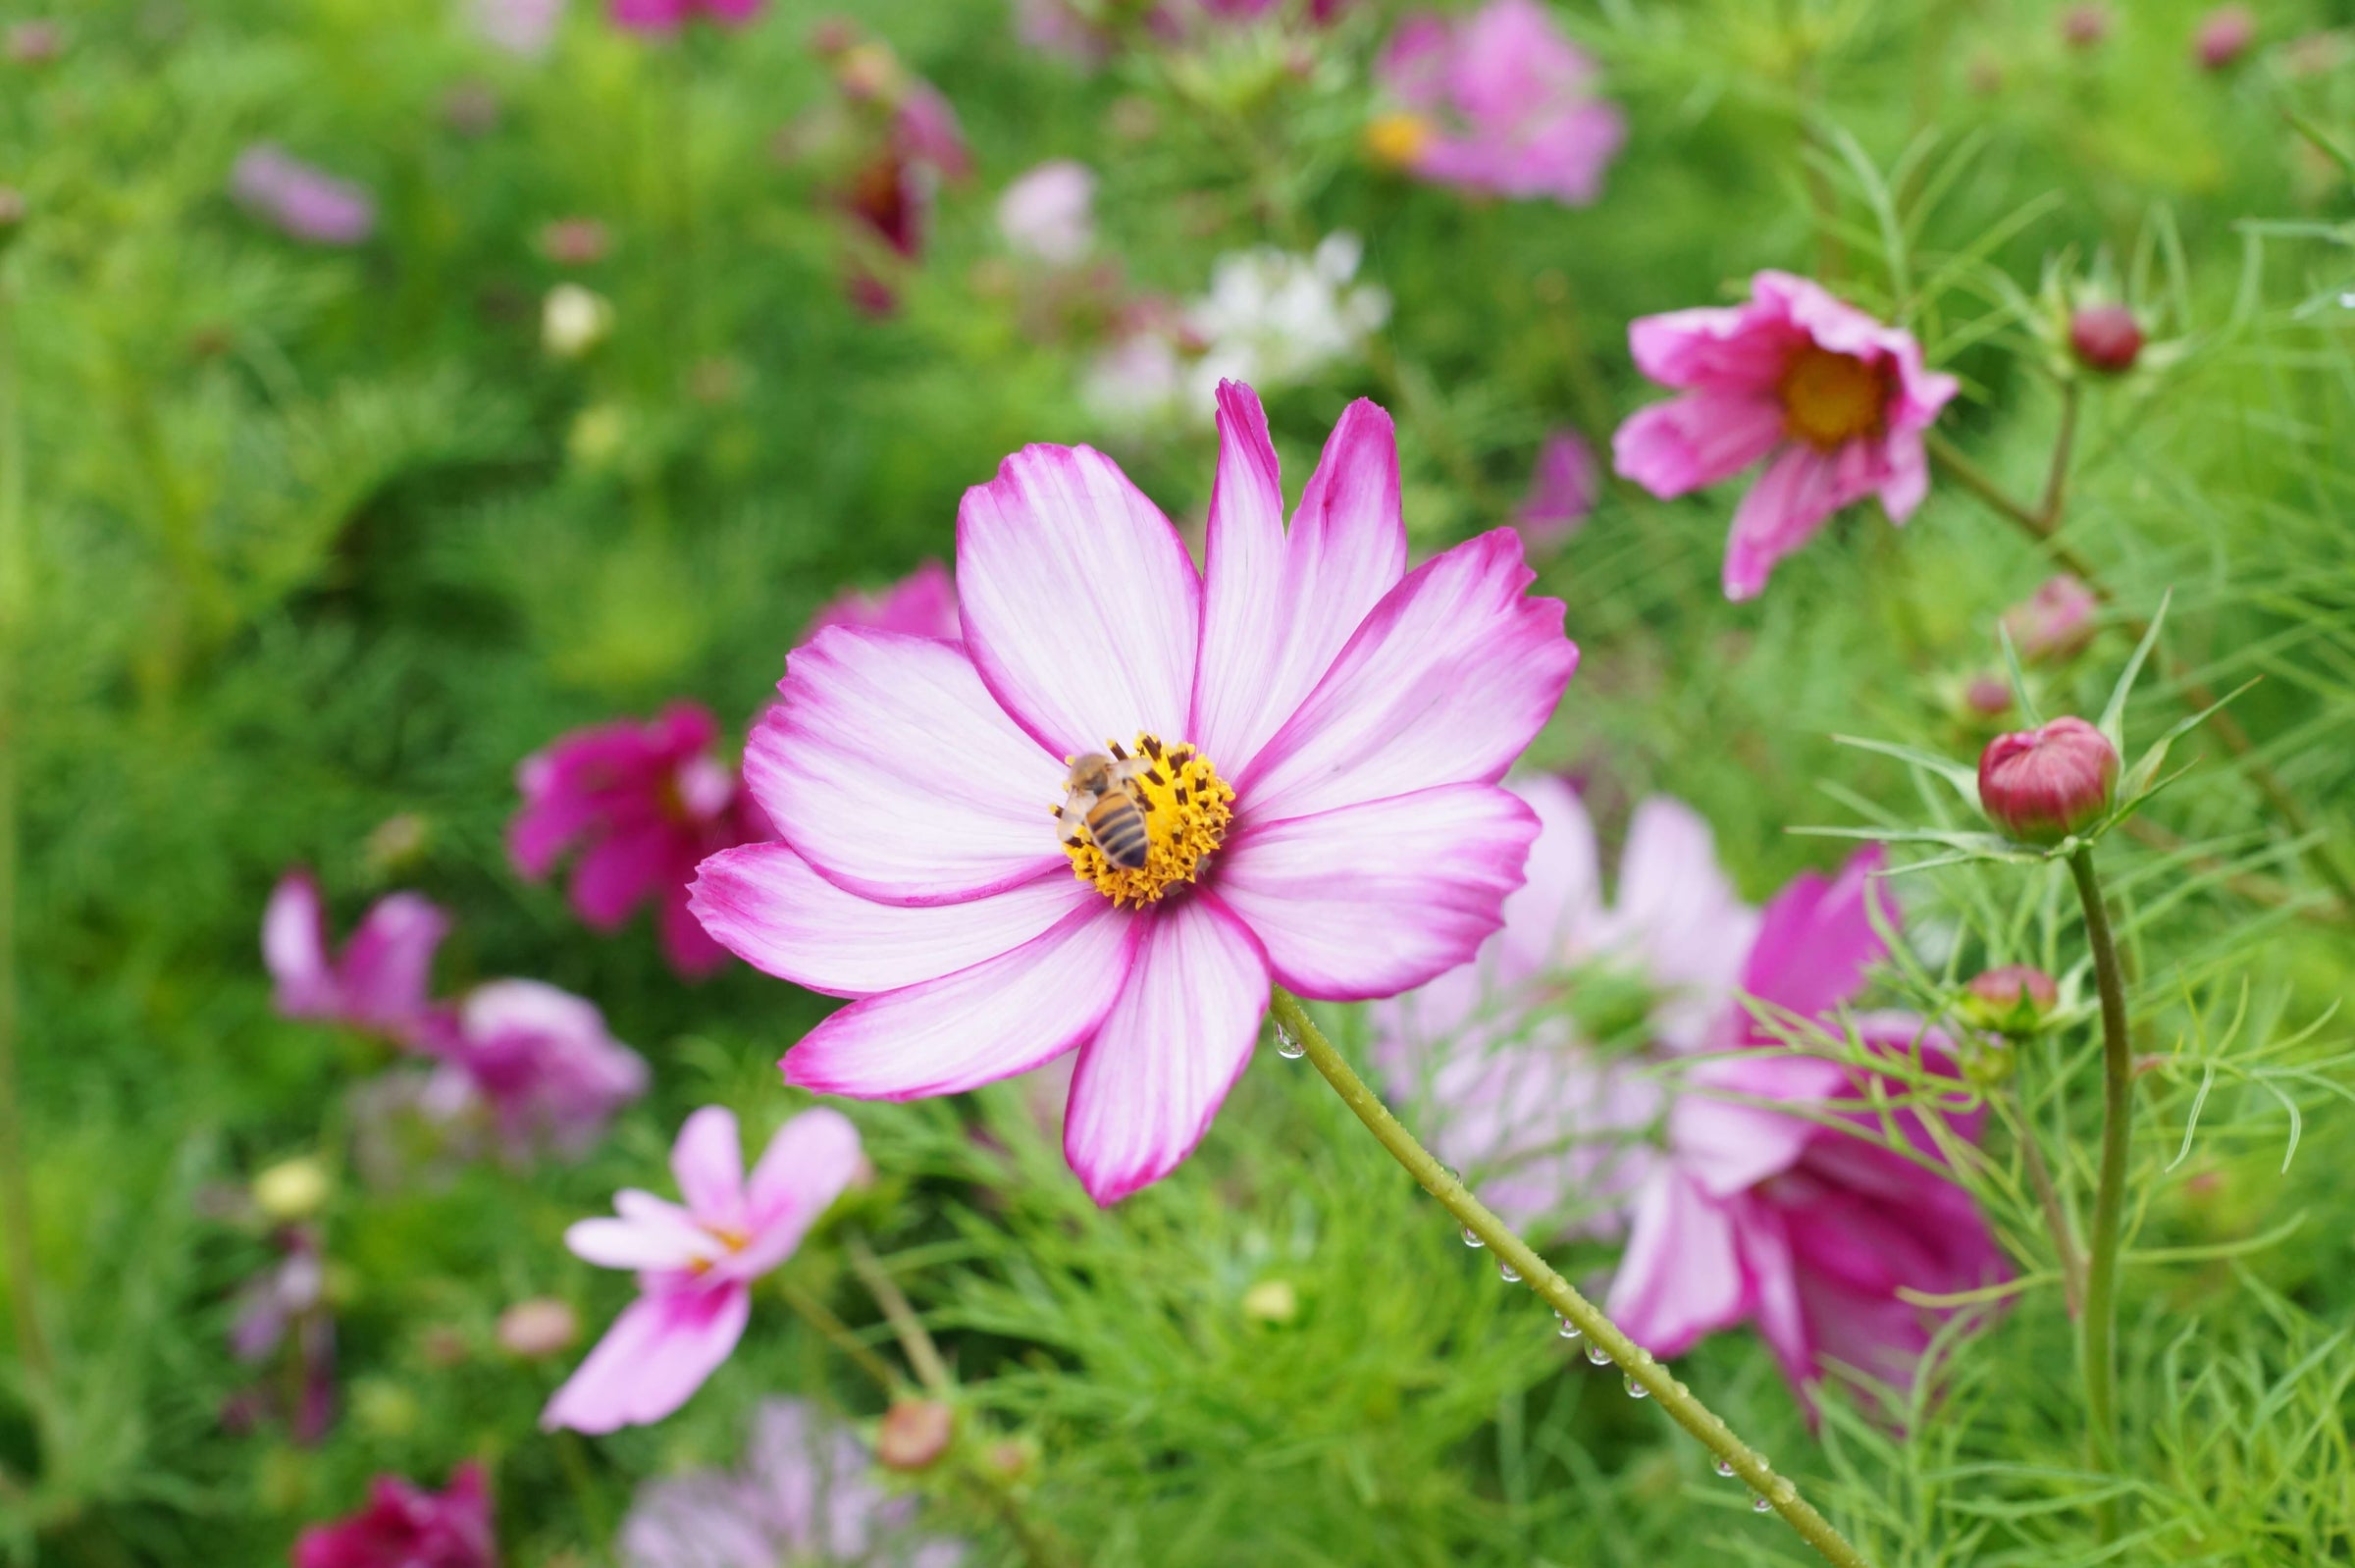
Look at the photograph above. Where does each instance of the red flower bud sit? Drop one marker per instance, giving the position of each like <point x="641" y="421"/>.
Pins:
<point x="2054" y="622"/>
<point x="2042" y="785"/>
<point x="2011" y="1000"/>
<point x="2224" y="36"/>
<point x="2105" y="338"/>
<point x="915" y="1433"/>
<point x="1988" y="696"/>
<point x="2084" y="27"/>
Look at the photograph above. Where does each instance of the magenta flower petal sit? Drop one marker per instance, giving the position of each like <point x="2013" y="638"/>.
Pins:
<point x="1372" y="899"/>
<point x="1796" y="495"/>
<point x="706" y="1160"/>
<point x="775" y="912"/>
<point x="1727" y="1146"/>
<point x="1699" y="439"/>
<point x="406" y="1526"/>
<point x="657" y="1353"/>
<point x="997" y="1018"/>
<point x="1169" y="1051"/>
<point x="1447" y="680"/>
<point x="294" y="948"/>
<point x="1816" y="938"/>
<point x="923" y="604"/>
<point x="805" y="1167"/>
<point x="1682" y="1276"/>
<point x="1724" y="347"/>
<point x="1080" y="605"/>
<point x="1347" y="548"/>
<point x="860" y="709"/>
<point x="686" y="947"/>
<point x="380" y="981"/>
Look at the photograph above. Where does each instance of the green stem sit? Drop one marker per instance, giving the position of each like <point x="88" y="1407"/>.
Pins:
<point x="2056" y="1219"/>
<point x="837" y="1332"/>
<point x="2100" y="1330"/>
<point x="1673" y="1396"/>
<point x="15" y="600"/>
<point x="916" y="1342"/>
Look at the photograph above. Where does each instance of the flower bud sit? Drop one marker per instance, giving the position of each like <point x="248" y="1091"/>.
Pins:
<point x="2013" y="999"/>
<point x="2085" y="27"/>
<point x="291" y="1190"/>
<point x="1988" y="696"/>
<point x="2105" y="337"/>
<point x="35" y="42"/>
<point x="574" y="242"/>
<point x="2224" y="36"/>
<point x="915" y="1434"/>
<point x="2042" y="785"/>
<point x="2053" y="623"/>
<point x="539" y="1328"/>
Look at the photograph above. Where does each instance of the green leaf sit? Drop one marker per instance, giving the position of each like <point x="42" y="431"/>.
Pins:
<point x="2113" y="713"/>
<point x="1965" y="780"/>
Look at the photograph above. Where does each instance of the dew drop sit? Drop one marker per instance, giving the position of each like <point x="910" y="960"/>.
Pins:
<point x="1509" y="1274"/>
<point x="1568" y="1330"/>
<point x="1725" y="1468"/>
<point x="1599" y="1355"/>
<point x="1759" y="1506"/>
<point x="1287" y="1046"/>
<point x="1471" y="1238"/>
<point x="1635" y="1389"/>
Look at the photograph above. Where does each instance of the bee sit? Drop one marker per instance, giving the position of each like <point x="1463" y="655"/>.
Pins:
<point x="1107" y="809"/>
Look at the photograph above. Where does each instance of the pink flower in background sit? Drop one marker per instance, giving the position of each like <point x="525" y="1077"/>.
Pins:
<point x="302" y="202"/>
<point x="906" y="145"/>
<point x="657" y="17"/>
<point x="923" y="604"/>
<point x="1807" y="1229"/>
<point x="1534" y="1055"/>
<point x="288" y="1296"/>
<point x="406" y="1526"/>
<point x="1832" y="400"/>
<point x="523" y="28"/>
<point x="2055" y="622"/>
<point x="1049" y="212"/>
<point x="1056" y="27"/>
<point x="1500" y="102"/>
<point x="696" y="1264"/>
<point x="806" y="1491"/>
<point x="537" y="1060"/>
<point x="642" y="803"/>
<point x="1327" y="724"/>
<point x="378" y="982"/>
<point x="1561" y="490"/>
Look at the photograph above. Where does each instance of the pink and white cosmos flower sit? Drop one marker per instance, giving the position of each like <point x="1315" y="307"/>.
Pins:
<point x="536" y="1064"/>
<point x="1833" y="403"/>
<point x="380" y="979"/>
<point x="1806" y="1228"/>
<point x="1325" y="731"/>
<point x="697" y="1262"/>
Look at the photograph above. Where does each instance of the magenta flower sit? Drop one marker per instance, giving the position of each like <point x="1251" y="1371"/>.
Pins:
<point x="1561" y="490"/>
<point x="1304" y="744"/>
<point x="697" y="1262"/>
<point x="537" y="1062"/>
<point x="1498" y="102"/>
<point x="377" y="983"/>
<point x="406" y="1526"/>
<point x="1834" y="401"/>
<point x="302" y="202"/>
<point x="1534" y="1057"/>
<point x="288" y="1296"/>
<point x="805" y="1492"/>
<point x="659" y="18"/>
<point x="1807" y="1229"/>
<point x="923" y="604"/>
<point x="643" y="803"/>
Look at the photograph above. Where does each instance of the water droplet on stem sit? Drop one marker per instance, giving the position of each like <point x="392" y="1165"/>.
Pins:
<point x="1287" y="1046"/>
<point x="1471" y="1238"/>
<point x="1506" y="1272"/>
<point x="1599" y="1355"/>
<point x="1635" y="1389"/>
<point x="1725" y="1467"/>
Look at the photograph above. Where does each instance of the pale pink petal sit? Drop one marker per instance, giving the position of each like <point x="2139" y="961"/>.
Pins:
<point x="1445" y="682"/>
<point x="1908" y="468"/>
<point x="1713" y="345"/>
<point x="1682" y="1276"/>
<point x="657" y="1353"/>
<point x="1080" y="605"/>
<point x="1726" y="1145"/>
<point x="1160" y="1065"/>
<point x="1261" y="655"/>
<point x="1777" y="1300"/>
<point x="1558" y="907"/>
<point x="803" y="1170"/>
<point x="772" y="908"/>
<point x="999" y="1017"/>
<point x="706" y="1160"/>
<point x="1703" y="437"/>
<point x="294" y="948"/>
<point x="635" y="1244"/>
<point x="1794" y="497"/>
<point x="1373" y="900"/>
<point x="871" y="720"/>
<point x="1679" y="918"/>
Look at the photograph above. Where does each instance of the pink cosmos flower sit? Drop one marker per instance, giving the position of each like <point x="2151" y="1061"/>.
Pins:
<point x="923" y="604"/>
<point x="406" y="1526"/>
<point x="287" y="1297"/>
<point x="302" y="202"/>
<point x="1534" y="1057"/>
<point x="1314" y="731"/>
<point x="697" y="1262"/>
<point x="806" y="1491"/>
<point x="1834" y="401"/>
<point x="1561" y="490"/>
<point x="1498" y="102"/>
<point x="657" y="17"/>
<point x="524" y="27"/>
<point x="538" y="1062"/>
<point x="1809" y="1230"/>
<point x="643" y="802"/>
<point x="377" y="983"/>
<point x="1048" y="213"/>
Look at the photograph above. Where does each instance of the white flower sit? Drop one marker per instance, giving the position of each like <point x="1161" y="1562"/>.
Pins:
<point x="574" y="320"/>
<point x="1271" y="317"/>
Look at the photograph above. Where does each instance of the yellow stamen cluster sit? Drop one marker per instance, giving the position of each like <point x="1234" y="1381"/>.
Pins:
<point x="1831" y="398"/>
<point x="1397" y="141"/>
<point x="1187" y="808"/>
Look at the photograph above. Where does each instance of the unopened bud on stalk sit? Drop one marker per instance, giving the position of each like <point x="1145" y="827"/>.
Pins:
<point x="915" y="1434"/>
<point x="2105" y="337"/>
<point x="2042" y="785"/>
<point x="2224" y="36"/>
<point x="2085" y="27"/>
<point x="1988" y="696"/>
<point x="35" y="42"/>
<point x="2011" y="1000"/>
<point x="2054" y="622"/>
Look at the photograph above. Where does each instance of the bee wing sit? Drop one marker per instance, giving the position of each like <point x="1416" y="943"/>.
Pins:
<point x="1071" y="820"/>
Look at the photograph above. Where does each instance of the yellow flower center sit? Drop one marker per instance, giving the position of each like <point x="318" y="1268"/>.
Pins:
<point x="1184" y="806"/>
<point x="1396" y="140"/>
<point x="1830" y="398"/>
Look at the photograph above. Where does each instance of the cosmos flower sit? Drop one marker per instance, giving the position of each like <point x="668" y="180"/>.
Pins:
<point x="406" y="1526"/>
<point x="805" y="1492"/>
<point x="923" y="604"/>
<point x="1049" y="212"/>
<point x="642" y="803"/>
<point x="1561" y="490"/>
<point x="1309" y="739"/>
<point x="535" y="1062"/>
<point x="377" y="983"/>
<point x="1831" y="399"/>
<point x="1499" y="102"/>
<point x="301" y="202"/>
<point x="2054" y="623"/>
<point x="1534" y="1058"/>
<point x="1786" y="1218"/>
<point x="524" y="27"/>
<point x="696" y="1262"/>
<point x="659" y="18"/>
<point x="288" y="1296"/>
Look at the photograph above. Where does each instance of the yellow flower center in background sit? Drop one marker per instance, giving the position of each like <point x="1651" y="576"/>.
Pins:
<point x="1396" y="140"/>
<point x="1830" y="398"/>
<point x="1185" y="808"/>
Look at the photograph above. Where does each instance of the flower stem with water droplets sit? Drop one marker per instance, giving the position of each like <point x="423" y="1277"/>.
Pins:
<point x="1642" y="1369"/>
<point x="2100" y="1333"/>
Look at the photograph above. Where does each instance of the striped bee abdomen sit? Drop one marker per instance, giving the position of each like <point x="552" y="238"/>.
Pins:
<point x="1118" y="829"/>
